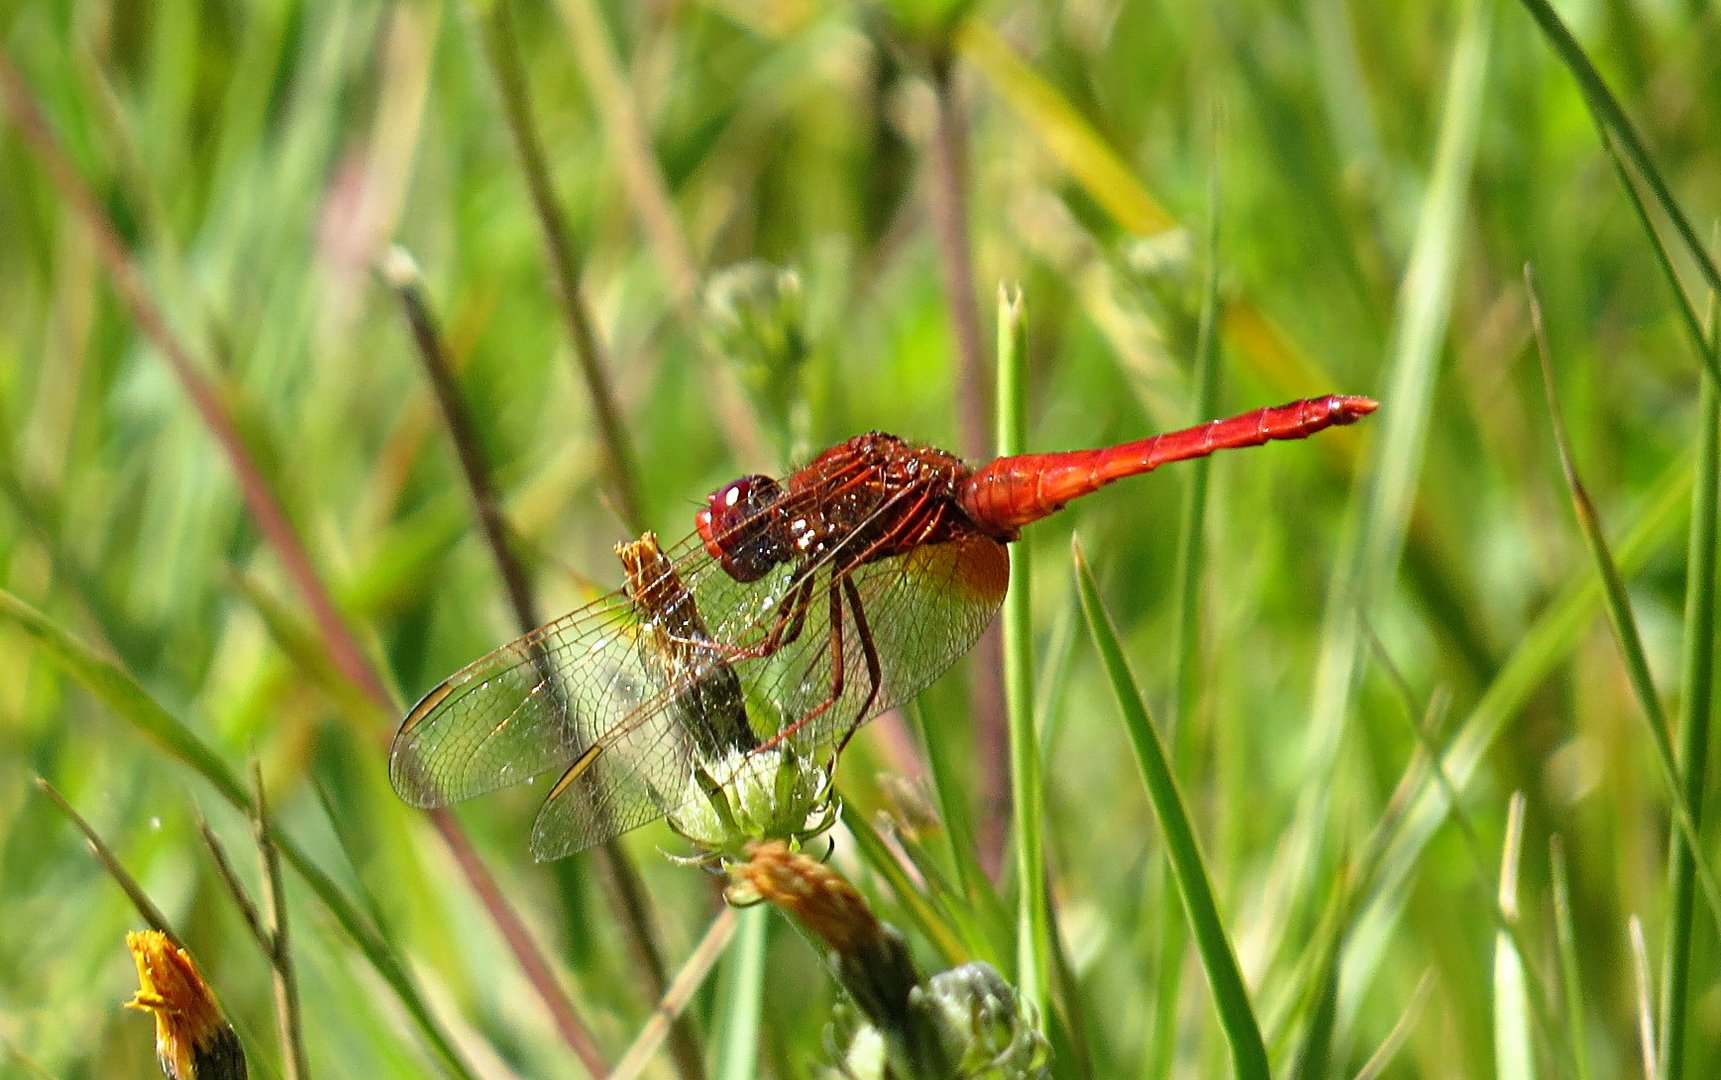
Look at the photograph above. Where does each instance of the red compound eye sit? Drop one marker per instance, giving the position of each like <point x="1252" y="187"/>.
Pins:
<point x="739" y="527"/>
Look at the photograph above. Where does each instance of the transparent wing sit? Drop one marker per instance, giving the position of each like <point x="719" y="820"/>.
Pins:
<point x="534" y="705"/>
<point x="920" y="612"/>
<point x="596" y="696"/>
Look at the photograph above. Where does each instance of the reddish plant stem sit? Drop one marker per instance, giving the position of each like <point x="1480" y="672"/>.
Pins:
<point x="265" y="509"/>
<point x="501" y="45"/>
<point x="627" y="892"/>
<point x="948" y="203"/>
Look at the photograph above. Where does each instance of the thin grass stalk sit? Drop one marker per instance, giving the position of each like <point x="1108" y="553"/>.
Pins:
<point x="403" y="275"/>
<point x="648" y="193"/>
<point x="1607" y="111"/>
<point x="229" y="877"/>
<point x="1185" y="693"/>
<point x="1033" y="942"/>
<point x="627" y="892"/>
<point x="926" y="917"/>
<point x="260" y="500"/>
<point x="502" y="49"/>
<point x="606" y="78"/>
<point x="1514" y="1053"/>
<point x="128" y="282"/>
<point x="1571" y="979"/>
<point x="947" y="200"/>
<point x="288" y="1022"/>
<point x="1706" y="352"/>
<point x="1508" y="931"/>
<point x="1375" y="534"/>
<point x="1195" y="888"/>
<point x="743" y="997"/>
<point x="1541" y="647"/>
<point x="1389" y="1046"/>
<point x="1697" y="696"/>
<point x="115" y="688"/>
<point x="110" y="862"/>
<point x="1642" y="995"/>
<point x="1618" y="606"/>
<point x="668" y="1013"/>
<point x="944" y="752"/>
<point x="365" y="898"/>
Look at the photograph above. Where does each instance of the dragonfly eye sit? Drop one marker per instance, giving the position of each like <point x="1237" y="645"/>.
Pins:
<point x="739" y="527"/>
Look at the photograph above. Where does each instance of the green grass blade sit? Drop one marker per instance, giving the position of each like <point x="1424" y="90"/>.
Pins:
<point x="119" y="692"/>
<point x="943" y="752"/>
<point x="1514" y="1048"/>
<point x="1407" y="399"/>
<point x="1542" y="646"/>
<point x="1697" y="696"/>
<point x="742" y="996"/>
<point x="1571" y="978"/>
<point x="1066" y="133"/>
<point x="1194" y="886"/>
<point x="926" y="917"/>
<point x="1608" y="112"/>
<point x="114" y="688"/>
<point x="1618" y="605"/>
<point x="1375" y="538"/>
<point x="1189" y="565"/>
<point x="1034" y="930"/>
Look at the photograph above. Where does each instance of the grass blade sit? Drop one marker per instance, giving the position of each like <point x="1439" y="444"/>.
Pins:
<point x="1377" y="537"/>
<point x="1618" y="606"/>
<point x="1514" y="1052"/>
<point x="117" y="690"/>
<point x="1645" y="1008"/>
<point x="743" y="994"/>
<point x="1697" y="695"/>
<point x="1608" y="113"/>
<point x="1034" y="934"/>
<point x="1571" y="979"/>
<point x="1231" y="997"/>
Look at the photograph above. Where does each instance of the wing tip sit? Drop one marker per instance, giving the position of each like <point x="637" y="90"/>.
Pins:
<point x="406" y="772"/>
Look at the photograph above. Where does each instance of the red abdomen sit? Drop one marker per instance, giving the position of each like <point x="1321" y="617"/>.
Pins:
<point x="1010" y="492"/>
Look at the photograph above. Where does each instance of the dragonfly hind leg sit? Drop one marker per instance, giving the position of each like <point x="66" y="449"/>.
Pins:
<point x="841" y="593"/>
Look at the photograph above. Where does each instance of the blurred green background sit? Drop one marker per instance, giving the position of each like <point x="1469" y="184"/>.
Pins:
<point x="1384" y="173"/>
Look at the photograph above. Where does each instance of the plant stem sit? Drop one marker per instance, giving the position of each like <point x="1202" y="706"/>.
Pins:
<point x="501" y="46"/>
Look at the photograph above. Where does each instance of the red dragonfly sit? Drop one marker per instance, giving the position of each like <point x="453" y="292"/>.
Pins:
<point x="797" y="611"/>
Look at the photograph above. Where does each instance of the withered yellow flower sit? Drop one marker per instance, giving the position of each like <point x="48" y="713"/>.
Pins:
<point x="193" y="1041"/>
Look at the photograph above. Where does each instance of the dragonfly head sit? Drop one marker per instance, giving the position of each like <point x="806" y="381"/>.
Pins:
<point x="739" y="527"/>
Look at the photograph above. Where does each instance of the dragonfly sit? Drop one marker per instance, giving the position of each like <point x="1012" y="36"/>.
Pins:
<point x="797" y="610"/>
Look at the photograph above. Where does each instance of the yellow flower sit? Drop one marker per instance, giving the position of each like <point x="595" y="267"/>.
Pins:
<point x="192" y="1039"/>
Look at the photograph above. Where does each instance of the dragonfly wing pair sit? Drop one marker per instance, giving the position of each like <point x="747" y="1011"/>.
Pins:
<point x="593" y="697"/>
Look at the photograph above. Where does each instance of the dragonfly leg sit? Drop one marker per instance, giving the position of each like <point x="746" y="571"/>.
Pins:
<point x="837" y="675"/>
<point x="869" y="653"/>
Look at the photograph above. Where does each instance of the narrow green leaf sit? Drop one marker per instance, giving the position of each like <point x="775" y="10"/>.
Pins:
<point x="1697" y="696"/>
<point x="1571" y="979"/>
<point x="1034" y="921"/>
<point x="1609" y="113"/>
<point x="1066" y="133"/>
<point x="927" y="919"/>
<point x="742" y="996"/>
<point x="1542" y="646"/>
<point x="1618" y="606"/>
<point x="1514" y="1051"/>
<point x="1236" y="1014"/>
<point x="116" y="689"/>
<point x="1375" y="537"/>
